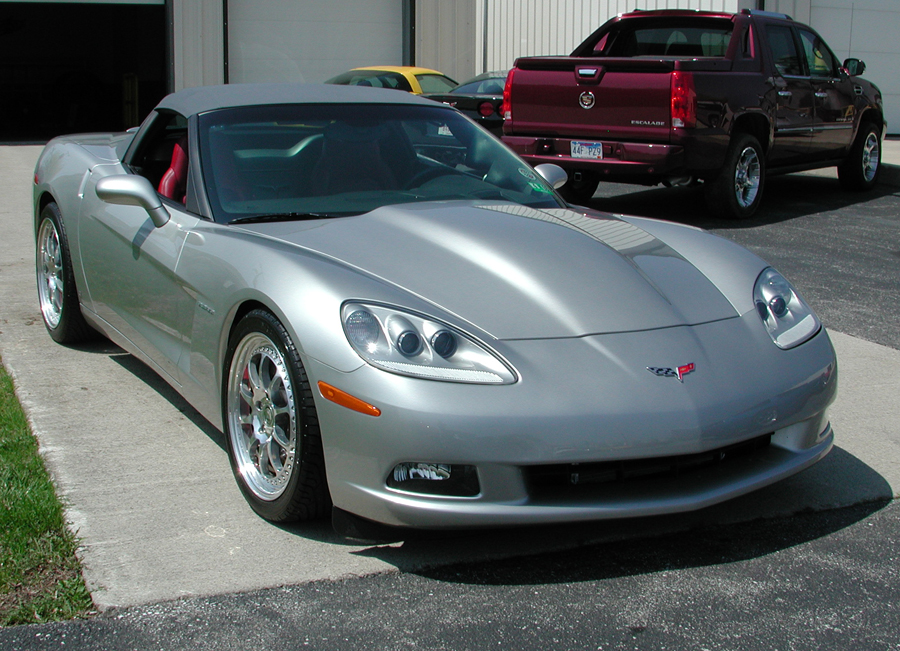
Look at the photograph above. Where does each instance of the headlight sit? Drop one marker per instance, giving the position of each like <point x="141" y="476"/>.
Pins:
<point x="409" y="344"/>
<point x="789" y="320"/>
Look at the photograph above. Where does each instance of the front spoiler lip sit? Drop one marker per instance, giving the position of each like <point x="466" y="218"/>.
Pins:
<point x="656" y="497"/>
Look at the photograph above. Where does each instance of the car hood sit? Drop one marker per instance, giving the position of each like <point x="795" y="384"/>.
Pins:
<point x="517" y="272"/>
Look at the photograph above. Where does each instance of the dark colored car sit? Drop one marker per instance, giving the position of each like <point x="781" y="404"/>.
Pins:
<point x="479" y="98"/>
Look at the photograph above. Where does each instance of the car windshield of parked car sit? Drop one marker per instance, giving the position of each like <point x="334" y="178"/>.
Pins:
<point x="435" y="83"/>
<point x="326" y="160"/>
<point x="373" y="78"/>
<point x="481" y="86"/>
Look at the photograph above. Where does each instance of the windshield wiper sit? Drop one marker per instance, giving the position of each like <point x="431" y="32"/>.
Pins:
<point x="288" y="216"/>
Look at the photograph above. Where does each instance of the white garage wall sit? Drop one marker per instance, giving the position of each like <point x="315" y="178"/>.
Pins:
<point x="292" y="41"/>
<point x="516" y="28"/>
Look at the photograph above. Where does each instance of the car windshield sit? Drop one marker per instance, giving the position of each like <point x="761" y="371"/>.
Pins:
<point x="481" y="86"/>
<point x="435" y="83"/>
<point x="373" y="78"/>
<point x="311" y="161"/>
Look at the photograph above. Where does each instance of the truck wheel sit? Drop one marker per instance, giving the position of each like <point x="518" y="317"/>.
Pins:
<point x="737" y="191"/>
<point x="860" y="169"/>
<point x="580" y="190"/>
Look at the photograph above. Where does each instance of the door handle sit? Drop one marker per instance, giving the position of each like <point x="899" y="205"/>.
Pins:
<point x="785" y="93"/>
<point x="821" y="94"/>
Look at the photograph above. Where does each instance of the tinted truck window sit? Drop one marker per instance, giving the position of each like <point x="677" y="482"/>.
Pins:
<point x="784" y="50"/>
<point x="699" y="38"/>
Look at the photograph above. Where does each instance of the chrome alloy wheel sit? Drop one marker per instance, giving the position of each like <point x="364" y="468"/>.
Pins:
<point x="50" y="273"/>
<point x="262" y="416"/>
<point x="747" y="177"/>
<point x="870" y="157"/>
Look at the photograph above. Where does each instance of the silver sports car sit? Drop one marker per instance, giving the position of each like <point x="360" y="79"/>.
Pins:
<point x="392" y="316"/>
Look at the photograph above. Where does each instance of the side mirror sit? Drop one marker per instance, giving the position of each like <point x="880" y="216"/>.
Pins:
<point x="133" y="190"/>
<point x="552" y="174"/>
<point x="854" y="67"/>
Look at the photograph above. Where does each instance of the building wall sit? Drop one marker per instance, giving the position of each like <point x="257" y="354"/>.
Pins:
<point x="198" y="43"/>
<point x="517" y="28"/>
<point x="444" y="37"/>
<point x="310" y="40"/>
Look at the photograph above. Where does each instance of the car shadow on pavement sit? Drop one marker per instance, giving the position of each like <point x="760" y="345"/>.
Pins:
<point x="785" y="197"/>
<point x="836" y="493"/>
<point x="703" y="547"/>
<point x="147" y="375"/>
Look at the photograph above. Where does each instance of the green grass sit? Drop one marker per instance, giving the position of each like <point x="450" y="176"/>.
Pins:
<point x="40" y="576"/>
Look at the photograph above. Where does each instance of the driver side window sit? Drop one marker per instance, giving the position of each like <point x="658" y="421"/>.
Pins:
<point x="162" y="156"/>
<point x="819" y="58"/>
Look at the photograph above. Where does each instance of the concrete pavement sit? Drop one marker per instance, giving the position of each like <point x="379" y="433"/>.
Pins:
<point x="149" y="490"/>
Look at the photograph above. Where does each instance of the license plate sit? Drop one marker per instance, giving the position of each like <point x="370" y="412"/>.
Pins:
<point x="586" y="149"/>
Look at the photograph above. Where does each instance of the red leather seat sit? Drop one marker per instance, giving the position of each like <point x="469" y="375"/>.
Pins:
<point x="174" y="182"/>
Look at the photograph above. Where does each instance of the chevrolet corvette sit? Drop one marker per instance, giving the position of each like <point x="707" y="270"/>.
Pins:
<point x="396" y="321"/>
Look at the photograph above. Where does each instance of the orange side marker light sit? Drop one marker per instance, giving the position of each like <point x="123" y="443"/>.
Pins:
<point x="344" y="399"/>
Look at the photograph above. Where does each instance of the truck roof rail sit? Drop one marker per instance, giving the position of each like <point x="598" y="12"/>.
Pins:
<point x="765" y="14"/>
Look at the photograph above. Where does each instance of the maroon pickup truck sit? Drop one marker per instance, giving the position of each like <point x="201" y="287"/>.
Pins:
<point x="678" y="96"/>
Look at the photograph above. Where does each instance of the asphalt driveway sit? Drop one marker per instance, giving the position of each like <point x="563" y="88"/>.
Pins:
<point x="150" y="493"/>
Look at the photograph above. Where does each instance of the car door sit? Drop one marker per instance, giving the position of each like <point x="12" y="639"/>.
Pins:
<point x="129" y="265"/>
<point x="834" y="99"/>
<point x="792" y="97"/>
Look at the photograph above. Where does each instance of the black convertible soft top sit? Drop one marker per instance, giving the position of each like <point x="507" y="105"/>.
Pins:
<point x="192" y="101"/>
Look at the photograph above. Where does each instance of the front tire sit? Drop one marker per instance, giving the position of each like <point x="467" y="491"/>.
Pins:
<point x="57" y="293"/>
<point x="737" y="190"/>
<point x="271" y="428"/>
<point x="860" y="170"/>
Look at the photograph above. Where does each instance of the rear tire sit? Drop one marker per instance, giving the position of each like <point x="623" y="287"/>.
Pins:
<point x="860" y="170"/>
<point x="271" y="428"/>
<point x="57" y="293"/>
<point x="737" y="190"/>
<point x="581" y="191"/>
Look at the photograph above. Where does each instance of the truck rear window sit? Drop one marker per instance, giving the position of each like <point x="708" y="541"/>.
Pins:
<point x="663" y="38"/>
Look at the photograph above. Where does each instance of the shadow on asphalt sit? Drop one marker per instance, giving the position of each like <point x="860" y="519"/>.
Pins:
<point x="700" y="547"/>
<point x="610" y="548"/>
<point x="785" y="198"/>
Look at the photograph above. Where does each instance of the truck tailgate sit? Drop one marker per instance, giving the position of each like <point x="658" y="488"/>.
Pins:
<point x="620" y="99"/>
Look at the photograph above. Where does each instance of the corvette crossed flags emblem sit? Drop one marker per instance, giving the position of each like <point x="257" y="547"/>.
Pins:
<point x="678" y="372"/>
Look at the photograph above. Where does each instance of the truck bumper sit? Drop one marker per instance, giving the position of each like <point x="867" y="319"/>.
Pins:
<point x="632" y="162"/>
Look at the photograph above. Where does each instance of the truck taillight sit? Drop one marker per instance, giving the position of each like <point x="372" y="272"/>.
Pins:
<point x="506" y="106"/>
<point x="684" y="100"/>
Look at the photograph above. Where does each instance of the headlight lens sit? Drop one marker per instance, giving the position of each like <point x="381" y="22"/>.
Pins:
<point x="409" y="344"/>
<point x="788" y="319"/>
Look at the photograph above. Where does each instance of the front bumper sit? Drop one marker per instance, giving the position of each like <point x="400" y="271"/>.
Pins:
<point x="584" y="401"/>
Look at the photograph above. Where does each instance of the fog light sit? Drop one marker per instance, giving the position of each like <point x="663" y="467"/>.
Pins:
<point x="435" y="479"/>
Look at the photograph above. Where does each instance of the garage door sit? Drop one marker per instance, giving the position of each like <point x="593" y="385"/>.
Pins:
<point x="287" y="40"/>
<point x="68" y="67"/>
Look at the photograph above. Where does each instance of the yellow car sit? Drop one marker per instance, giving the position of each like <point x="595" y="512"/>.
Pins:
<point x="409" y="78"/>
